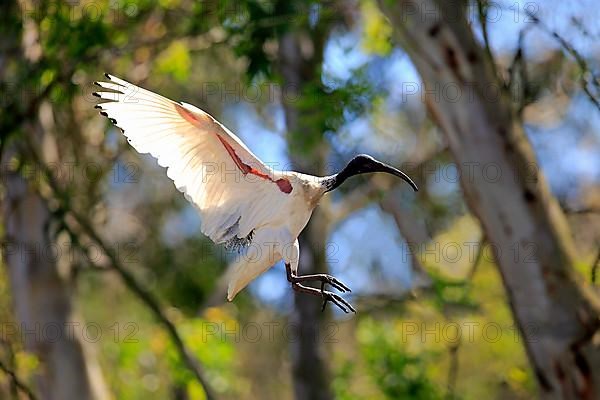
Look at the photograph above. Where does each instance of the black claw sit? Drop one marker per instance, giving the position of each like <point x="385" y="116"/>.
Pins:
<point x="103" y="113"/>
<point x="97" y="84"/>
<point x="337" y="284"/>
<point x="324" y="304"/>
<point x="107" y="76"/>
<point x="339" y="288"/>
<point x="114" y="121"/>
<point x="326" y="299"/>
<point x="98" y="107"/>
<point x="346" y="288"/>
<point x="338" y="301"/>
<point x="95" y="94"/>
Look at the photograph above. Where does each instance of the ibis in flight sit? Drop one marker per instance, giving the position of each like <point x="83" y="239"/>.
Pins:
<point x="243" y="203"/>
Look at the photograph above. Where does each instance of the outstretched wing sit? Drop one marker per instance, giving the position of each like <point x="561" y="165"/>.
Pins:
<point x="234" y="191"/>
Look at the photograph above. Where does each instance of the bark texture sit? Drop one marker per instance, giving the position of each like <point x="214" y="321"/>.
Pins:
<point x="556" y="311"/>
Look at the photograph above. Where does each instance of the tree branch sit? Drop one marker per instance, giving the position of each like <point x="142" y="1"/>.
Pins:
<point x="579" y="59"/>
<point x="478" y="258"/>
<point x="595" y="267"/>
<point x="452" y="370"/>
<point x="482" y="8"/>
<point x="17" y="381"/>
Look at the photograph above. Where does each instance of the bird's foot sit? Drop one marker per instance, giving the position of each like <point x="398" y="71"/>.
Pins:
<point x="324" y="279"/>
<point x="326" y="295"/>
<point x="337" y="300"/>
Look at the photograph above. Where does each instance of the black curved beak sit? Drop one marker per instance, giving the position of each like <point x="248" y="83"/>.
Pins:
<point x="363" y="164"/>
<point x="382" y="167"/>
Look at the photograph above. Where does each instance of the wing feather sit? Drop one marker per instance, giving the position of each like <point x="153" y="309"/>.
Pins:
<point x="234" y="191"/>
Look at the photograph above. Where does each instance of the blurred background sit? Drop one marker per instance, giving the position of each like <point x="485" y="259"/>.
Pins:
<point x="108" y="290"/>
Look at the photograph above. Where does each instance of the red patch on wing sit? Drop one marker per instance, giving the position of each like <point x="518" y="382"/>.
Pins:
<point x="283" y="184"/>
<point x="187" y="115"/>
<point x="256" y="172"/>
<point x="245" y="168"/>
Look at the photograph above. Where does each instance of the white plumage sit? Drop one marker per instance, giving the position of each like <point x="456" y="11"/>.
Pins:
<point x="242" y="202"/>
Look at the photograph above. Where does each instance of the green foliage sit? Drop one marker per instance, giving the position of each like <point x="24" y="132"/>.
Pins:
<point x="175" y="61"/>
<point x="249" y="35"/>
<point x="341" y="382"/>
<point x="68" y="33"/>
<point x="254" y="25"/>
<point x="325" y="109"/>
<point x="377" y="30"/>
<point x="187" y="274"/>
<point x="398" y="373"/>
<point x="216" y="351"/>
<point x="449" y="292"/>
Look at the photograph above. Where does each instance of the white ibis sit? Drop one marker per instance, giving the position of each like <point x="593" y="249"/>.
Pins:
<point x="242" y="202"/>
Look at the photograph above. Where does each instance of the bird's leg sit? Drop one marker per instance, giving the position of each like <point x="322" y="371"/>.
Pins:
<point x="323" y="278"/>
<point x="325" y="294"/>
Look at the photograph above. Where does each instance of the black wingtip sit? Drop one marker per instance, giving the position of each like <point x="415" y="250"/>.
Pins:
<point x="95" y="94"/>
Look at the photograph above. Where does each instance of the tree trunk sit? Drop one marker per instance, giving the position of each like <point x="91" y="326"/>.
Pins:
<point x="42" y="299"/>
<point x="310" y="374"/>
<point x="555" y="311"/>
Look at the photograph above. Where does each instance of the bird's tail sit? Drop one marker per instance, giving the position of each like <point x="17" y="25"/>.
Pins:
<point x="241" y="274"/>
<point x="247" y="267"/>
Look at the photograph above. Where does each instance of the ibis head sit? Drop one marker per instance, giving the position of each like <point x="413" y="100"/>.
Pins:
<point x="364" y="164"/>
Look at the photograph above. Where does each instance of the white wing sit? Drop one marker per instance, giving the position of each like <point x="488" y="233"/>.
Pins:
<point x="234" y="191"/>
